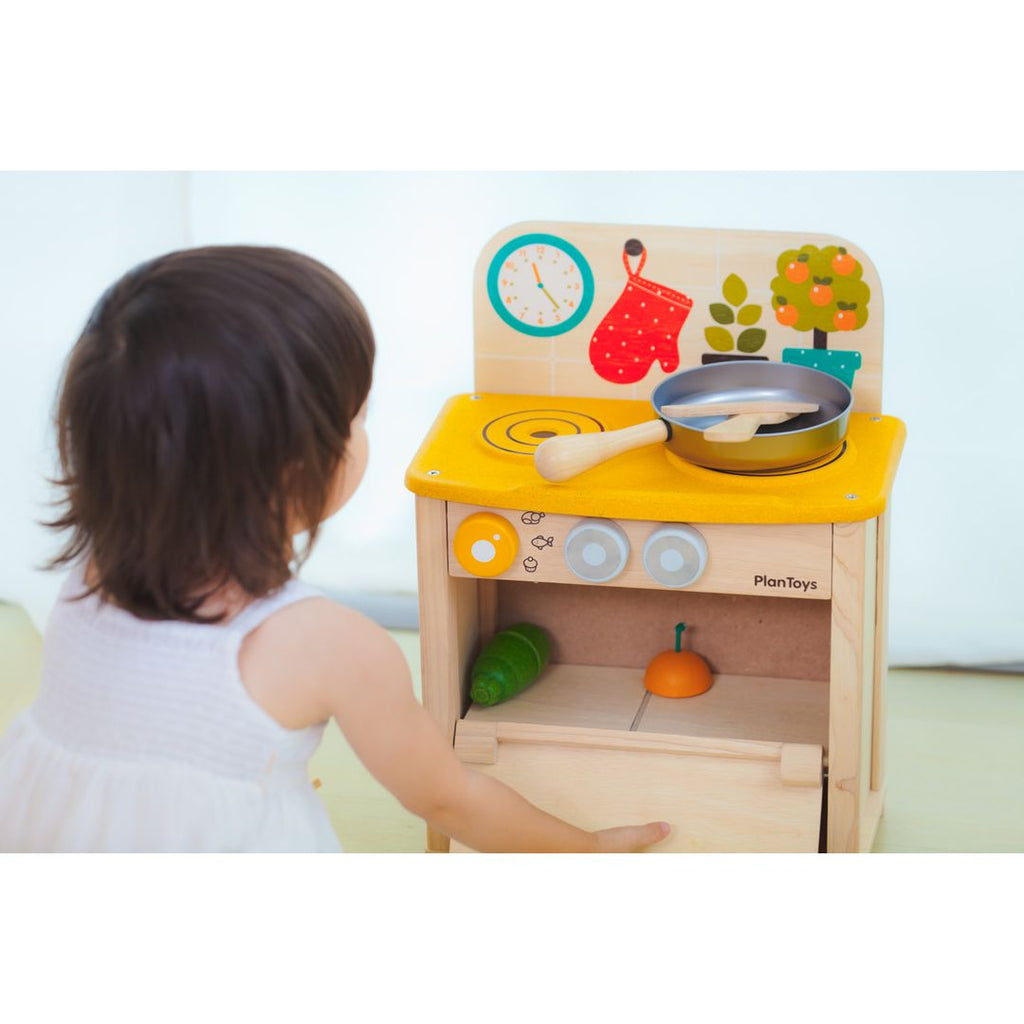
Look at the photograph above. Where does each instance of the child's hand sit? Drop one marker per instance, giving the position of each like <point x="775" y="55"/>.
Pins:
<point x="628" y="838"/>
<point x="373" y="702"/>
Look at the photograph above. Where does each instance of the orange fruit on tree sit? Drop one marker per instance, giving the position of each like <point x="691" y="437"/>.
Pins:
<point x="797" y="272"/>
<point x="787" y="315"/>
<point x="821" y="295"/>
<point x="843" y="263"/>
<point x="845" y="320"/>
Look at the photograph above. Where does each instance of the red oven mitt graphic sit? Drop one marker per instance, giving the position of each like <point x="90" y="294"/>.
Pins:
<point x="642" y="326"/>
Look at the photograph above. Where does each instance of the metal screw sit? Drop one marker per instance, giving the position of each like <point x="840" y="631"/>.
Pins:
<point x="876" y="419"/>
<point x="853" y="497"/>
<point x="475" y="398"/>
<point x="433" y="472"/>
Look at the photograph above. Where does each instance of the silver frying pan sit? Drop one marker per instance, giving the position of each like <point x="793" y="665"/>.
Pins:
<point x="793" y="442"/>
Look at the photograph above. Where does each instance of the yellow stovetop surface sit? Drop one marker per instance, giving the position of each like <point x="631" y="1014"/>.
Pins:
<point x="480" y="451"/>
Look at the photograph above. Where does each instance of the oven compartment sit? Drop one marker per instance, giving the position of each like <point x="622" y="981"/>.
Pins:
<point x="590" y="745"/>
<point x="787" y="670"/>
<point x="719" y="795"/>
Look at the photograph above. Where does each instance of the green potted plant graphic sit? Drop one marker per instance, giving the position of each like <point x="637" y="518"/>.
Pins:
<point x="734" y="311"/>
<point x="821" y="290"/>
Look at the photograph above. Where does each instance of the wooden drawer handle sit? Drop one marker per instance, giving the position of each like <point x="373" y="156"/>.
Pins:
<point x="476" y="748"/>
<point x="800" y="764"/>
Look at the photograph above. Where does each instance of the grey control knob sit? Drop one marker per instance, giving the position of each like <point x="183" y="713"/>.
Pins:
<point x="596" y="550"/>
<point x="675" y="555"/>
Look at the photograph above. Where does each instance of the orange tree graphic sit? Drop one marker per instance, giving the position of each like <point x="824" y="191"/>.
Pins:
<point x="820" y="290"/>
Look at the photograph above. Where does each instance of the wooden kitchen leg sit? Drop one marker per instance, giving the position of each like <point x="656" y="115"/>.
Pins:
<point x="881" y="657"/>
<point x="448" y="629"/>
<point x="852" y="809"/>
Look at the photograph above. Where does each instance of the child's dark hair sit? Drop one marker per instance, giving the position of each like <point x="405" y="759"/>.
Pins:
<point x="203" y="413"/>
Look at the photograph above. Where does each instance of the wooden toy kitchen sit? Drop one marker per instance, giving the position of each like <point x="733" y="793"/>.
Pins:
<point x="771" y="547"/>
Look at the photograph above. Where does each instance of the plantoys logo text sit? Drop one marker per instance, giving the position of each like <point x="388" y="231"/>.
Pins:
<point x="785" y="583"/>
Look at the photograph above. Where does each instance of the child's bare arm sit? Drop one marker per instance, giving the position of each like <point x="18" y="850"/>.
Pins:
<point x="363" y="681"/>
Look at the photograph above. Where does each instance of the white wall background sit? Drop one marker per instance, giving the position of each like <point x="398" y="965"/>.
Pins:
<point x="63" y="239"/>
<point x="948" y="248"/>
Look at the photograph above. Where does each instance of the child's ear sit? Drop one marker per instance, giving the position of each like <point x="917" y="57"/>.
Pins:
<point x="298" y="514"/>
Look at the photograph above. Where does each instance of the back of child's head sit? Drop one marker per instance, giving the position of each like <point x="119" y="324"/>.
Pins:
<point x="203" y="413"/>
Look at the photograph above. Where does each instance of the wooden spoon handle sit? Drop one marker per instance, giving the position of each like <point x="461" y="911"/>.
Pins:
<point x="744" y="427"/>
<point x="735" y="408"/>
<point x="560" y="458"/>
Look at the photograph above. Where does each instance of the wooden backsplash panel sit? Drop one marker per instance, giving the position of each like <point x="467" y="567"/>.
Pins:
<point x="694" y="261"/>
<point x="601" y="625"/>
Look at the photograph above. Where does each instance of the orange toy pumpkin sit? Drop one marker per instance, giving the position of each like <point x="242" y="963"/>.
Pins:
<point x="677" y="673"/>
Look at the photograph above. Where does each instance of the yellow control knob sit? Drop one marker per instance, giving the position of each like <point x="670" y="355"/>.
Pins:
<point x="485" y="544"/>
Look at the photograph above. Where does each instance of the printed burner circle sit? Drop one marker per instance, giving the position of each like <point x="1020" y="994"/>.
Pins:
<point x="521" y="432"/>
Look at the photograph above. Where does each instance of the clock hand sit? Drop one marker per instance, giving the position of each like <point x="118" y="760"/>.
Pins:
<point x="540" y="285"/>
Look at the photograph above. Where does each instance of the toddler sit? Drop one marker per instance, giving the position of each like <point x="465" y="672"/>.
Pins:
<point x="212" y="411"/>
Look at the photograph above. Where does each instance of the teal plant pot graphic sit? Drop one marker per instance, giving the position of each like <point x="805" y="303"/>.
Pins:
<point x="834" y="361"/>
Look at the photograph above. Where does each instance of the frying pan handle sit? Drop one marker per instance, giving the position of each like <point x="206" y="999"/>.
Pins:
<point x="561" y="458"/>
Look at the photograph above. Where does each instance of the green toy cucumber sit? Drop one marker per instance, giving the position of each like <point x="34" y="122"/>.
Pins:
<point x="513" y="659"/>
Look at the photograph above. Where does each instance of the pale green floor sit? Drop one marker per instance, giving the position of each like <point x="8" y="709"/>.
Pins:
<point x="955" y="758"/>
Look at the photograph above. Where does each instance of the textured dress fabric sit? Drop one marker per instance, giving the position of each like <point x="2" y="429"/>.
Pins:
<point x="144" y="738"/>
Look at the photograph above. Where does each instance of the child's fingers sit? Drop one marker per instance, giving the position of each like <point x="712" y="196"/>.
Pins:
<point x="632" y="837"/>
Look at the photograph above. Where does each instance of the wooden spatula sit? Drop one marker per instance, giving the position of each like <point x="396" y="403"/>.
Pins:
<point x="693" y="409"/>
<point x="744" y="426"/>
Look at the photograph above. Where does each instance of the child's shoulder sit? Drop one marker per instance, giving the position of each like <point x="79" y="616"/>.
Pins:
<point x="313" y="617"/>
<point x="292" y="659"/>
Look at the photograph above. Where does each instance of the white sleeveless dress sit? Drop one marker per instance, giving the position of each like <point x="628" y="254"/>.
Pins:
<point x="143" y="738"/>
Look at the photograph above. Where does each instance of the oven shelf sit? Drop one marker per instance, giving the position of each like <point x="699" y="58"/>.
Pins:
<point x="736" y="707"/>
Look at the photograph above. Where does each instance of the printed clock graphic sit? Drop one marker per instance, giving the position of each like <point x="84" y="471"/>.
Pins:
<point x="540" y="284"/>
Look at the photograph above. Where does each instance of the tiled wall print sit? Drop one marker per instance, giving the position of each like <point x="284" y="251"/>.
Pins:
<point x="602" y="310"/>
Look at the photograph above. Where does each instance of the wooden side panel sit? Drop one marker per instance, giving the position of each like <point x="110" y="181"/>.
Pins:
<point x="449" y="624"/>
<point x="851" y="686"/>
<point x="719" y="796"/>
<point x="867" y="711"/>
<point x="881" y="666"/>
